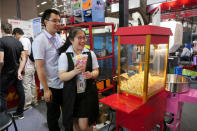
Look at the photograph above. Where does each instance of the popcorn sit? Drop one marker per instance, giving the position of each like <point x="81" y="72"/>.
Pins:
<point x="81" y="60"/>
<point x="135" y="83"/>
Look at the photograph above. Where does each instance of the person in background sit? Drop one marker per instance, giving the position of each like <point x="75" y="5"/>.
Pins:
<point x="12" y="63"/>
<point x="80" y="98"/>
<point x="45" y="51"/>
<point x="185" y="54"/>
<point x="194" y="49"/>
<point x="28" y="78"/>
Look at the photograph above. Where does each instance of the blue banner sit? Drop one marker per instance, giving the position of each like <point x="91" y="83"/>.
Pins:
<point x="98" y="11"/>
<point x="36" y="26"/>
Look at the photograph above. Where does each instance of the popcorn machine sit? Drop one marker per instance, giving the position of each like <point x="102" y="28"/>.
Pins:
<point x="142" y="60"/>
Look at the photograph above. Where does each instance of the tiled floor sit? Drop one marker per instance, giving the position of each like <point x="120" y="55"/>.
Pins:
<point x="35" y="119"/>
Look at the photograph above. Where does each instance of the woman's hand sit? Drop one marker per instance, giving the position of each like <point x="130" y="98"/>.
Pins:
<point x="77" y="69"/>
<point x="87" y="75"/>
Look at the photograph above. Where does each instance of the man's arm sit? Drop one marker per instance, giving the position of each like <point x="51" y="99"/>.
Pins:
<point x="25" y="44"/>
<point x="27" y="57"/>
<point x="42" y="77"/>
<point x="41" y="73"/>
<point x="22" y="64"/>
<point x="26" y="53"/>
<point x="1" y="60"/>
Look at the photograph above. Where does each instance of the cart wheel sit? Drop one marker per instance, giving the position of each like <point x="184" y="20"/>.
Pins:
<point x="164" y="126"/>
<point x="169" y="120"/>
<point x="120" y="128"/>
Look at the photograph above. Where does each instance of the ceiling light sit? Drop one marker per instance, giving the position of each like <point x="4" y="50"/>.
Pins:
<point x="55" y="8"/>
<point x="38" y="5"/>
<point x="43" y="3"/>
<point x="60" y="5"/>
<point x="41" y="13"/>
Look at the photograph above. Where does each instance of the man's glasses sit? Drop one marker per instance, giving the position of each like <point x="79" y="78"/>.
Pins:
<point x="82" y="38"/>
<point x="55" y="20"/>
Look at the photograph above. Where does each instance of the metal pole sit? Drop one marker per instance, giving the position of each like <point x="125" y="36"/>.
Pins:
<point x="119" y="52"/>
<point x="18" y="11"/>
<point x="123" y="13"/>
<point x="146" y="67"/>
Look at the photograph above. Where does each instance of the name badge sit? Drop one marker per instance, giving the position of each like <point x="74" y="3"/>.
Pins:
<point x="81" y="84"/>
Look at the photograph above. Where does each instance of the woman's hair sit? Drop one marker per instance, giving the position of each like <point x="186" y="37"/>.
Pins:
<point x="72" y="33"/>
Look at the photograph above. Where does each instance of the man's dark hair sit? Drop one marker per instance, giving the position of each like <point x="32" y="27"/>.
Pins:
<point x="47" y="13"/>
<point x="18" y="30"/>
<point x="182" y="46"/>
<point x="7" y="28"/>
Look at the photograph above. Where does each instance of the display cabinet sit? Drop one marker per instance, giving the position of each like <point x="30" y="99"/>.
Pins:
<point x="142" y="60"/>
<point x="102" y="43"/>
<point x="142" y="63"/>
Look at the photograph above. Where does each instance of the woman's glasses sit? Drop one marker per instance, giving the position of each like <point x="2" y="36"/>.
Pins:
<point x="80" y="38"/>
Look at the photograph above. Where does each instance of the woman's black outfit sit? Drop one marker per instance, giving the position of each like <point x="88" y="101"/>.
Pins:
<point x="82" y="105"/>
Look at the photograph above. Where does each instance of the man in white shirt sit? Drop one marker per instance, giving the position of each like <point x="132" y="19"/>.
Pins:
<point x="29" y="78"/>
<point x="45" y="51"/>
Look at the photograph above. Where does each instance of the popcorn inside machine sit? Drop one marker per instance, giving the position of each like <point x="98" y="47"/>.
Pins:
<point x="142" y="60"/>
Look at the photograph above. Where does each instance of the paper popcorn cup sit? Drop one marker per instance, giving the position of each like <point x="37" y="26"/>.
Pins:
<point x="81" y="60"/>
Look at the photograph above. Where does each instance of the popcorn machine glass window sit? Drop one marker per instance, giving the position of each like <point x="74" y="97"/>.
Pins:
<point x="142" y="61"/>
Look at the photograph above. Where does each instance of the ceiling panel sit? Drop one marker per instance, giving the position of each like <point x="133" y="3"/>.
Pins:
<point x="41" y="8"/>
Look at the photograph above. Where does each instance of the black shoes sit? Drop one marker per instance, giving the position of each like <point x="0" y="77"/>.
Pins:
<point x="17" y="115"/>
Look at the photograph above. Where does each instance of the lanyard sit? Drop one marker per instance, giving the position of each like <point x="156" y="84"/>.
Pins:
<point x="71" y="54"/>
<point x="50" y="41"/>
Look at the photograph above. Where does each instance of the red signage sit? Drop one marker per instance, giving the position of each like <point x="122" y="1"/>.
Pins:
<point x="173" y="5"/>
<point x="181" y="14"/>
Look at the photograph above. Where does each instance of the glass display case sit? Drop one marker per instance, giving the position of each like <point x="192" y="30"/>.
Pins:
<point x="103" y="49"/>
<point x="142" y="60"/>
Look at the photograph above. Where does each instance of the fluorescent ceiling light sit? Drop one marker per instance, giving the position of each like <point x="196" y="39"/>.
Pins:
<point x="38" y="5"/>
<point x="60" y="5"/>
<point x="55" y="8"/>
<point x="41" y="13"/>
<point x="43" y="3"/>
